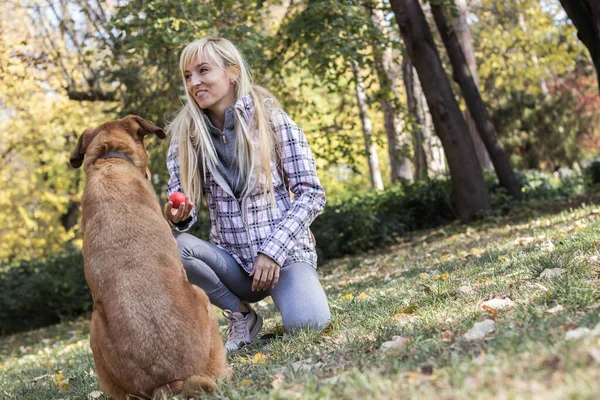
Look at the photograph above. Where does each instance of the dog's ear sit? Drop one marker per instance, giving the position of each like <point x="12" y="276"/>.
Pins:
<point x="77" y="155"/>
<point x="147" y="127"/>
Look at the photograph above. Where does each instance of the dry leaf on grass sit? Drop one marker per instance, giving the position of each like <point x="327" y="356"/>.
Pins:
<point x="396" y="343"/>
<point x="497" y="304"/>
<point x="551" y="273"/>
<point x="278" y="381"/>
<point x="555" y="310"/>
<point x="480" y="330"/>
<point x="546" y="246"/>
<point x="96" y="394"/>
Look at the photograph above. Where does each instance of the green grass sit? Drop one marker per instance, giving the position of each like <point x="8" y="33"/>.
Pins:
<point x="428" y="289"/>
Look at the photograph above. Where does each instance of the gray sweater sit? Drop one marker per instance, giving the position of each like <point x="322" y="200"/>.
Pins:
<point x="227" y="166"/>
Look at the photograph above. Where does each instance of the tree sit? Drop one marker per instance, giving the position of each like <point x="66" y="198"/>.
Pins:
<point x="585" y="14"/>
<point x="485" y="127"/>
<point x="401" y="169"/>
<point x="367" y="128"/>
<point x="463" y="33"/>
<point x="429" y="159"/>
<point x="469" y="187"/>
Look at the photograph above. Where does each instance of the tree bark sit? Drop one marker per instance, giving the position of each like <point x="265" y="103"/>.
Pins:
<point x="400" y="165"/>
<point x="420" y="158"/>
<point x="462" y="75"/>
<point x="461" y="27"/>
<point x="367" y="128"/>
<point x="469" y="187"/>
<point x="585" y="15"/>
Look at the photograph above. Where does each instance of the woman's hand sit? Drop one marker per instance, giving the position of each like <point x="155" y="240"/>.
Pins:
<point x="265" y="272"/>
<point x="182" y="213"/>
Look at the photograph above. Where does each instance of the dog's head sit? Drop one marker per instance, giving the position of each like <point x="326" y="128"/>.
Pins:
<point x="123" y="135"/>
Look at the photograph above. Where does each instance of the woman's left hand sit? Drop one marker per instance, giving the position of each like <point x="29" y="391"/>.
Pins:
<point x="265" y="272"/>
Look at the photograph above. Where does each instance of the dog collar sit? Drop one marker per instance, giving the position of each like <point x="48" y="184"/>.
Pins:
<point x="117" y="154"/>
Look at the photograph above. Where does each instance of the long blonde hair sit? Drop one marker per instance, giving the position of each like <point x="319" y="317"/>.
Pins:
<point x="188" y="128"/>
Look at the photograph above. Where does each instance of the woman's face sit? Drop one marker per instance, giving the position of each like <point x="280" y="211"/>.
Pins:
<point x="209" y="85"/>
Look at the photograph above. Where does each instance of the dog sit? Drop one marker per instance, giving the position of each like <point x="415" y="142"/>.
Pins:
<point x="152" y="332"/>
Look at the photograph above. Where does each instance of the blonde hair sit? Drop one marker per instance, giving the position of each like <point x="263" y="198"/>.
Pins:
<point x="189" y="129"/>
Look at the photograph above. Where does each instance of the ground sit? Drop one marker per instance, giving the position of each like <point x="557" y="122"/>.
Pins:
<point x="505" y="308"/>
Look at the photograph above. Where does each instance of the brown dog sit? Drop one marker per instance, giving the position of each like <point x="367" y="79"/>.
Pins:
<point x="152" y="331"/>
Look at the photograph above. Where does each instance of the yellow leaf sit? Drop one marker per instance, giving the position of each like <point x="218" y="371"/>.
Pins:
<point x="444" y="277"/>
<point x="60" y="382"/>
<point x="259" y="358"/>
<point x="501" y="258"/>
<point x="349" y="296"/>
<point x="246" y="381"/>
<point x="362" y="296"/>
<point x="476" y="251"/>
<point x="423" y="275"/>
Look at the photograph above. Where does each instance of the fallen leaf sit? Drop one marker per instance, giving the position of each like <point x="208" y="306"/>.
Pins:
<point x="480" y="330"/>
<point x="476" y="251"/>
<point x="497" y="304"/>
<point x="447" y="336"/>
<point x="362" y="296"/>
<point x="465" y="290"/>
<point x="259" y="358"/>
<point x="349" y="296"/>
<point x="551" y="273"/>
<point x="555" y="310"/>
<point x="96" y="394"/>
<point x="396" y="343"/>
<point x="246" y="382"/>
<point x="278" y="381"/>
<point x="578" y="333"/>
<point x="546" y="246"/>
<point x="427" y="369"/>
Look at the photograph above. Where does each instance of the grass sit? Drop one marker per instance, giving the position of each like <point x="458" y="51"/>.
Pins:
<point x="430" y="290"/>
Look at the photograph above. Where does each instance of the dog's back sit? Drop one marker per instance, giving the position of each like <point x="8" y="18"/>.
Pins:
<point x="150" y="326"/>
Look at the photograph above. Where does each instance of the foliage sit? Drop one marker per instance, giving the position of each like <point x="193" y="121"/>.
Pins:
<point x="532" y="68"/>
<point x="370" y="220"/>
<point x="40" y="293"/>
<point x="39" y="127"/>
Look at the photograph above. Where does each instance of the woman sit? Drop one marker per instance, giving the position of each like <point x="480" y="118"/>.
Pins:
<point x="232" y="144"/>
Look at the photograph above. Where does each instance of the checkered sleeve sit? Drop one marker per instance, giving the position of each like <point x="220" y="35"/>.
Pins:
<point x="174" y="185"/>
<point x="309" y="196"/>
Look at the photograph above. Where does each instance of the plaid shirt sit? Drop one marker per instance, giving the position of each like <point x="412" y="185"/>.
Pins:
<point x="250" y="225"/>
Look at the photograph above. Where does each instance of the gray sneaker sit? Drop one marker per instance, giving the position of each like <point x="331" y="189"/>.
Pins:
<point x="242" y="329"/>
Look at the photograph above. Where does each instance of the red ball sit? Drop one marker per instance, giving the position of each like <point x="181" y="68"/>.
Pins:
<point x="177" y="198"/>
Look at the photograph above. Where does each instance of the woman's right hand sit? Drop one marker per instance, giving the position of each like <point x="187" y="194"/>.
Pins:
<point x="182" y="213"/>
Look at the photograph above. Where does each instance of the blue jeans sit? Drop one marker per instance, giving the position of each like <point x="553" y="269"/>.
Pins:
<point x="298" y="295"/>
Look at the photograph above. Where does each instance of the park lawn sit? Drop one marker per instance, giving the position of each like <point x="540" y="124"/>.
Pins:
<point x="429" y="291"/>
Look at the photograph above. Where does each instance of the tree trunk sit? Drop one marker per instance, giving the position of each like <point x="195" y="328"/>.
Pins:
<point x="420" y="159"/>
<point x="463" y="77"/>
<point x="400" y="165"/>
<point x="367" y="128"/>
<point x="461" y="27"/>
<point x="585" y="15"/>
<point x="469" y="187"/>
